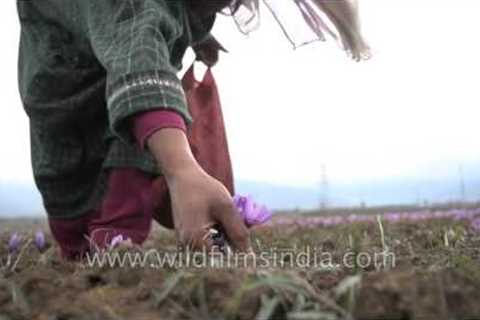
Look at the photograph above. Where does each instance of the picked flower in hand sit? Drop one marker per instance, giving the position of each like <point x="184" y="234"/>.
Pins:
<point x="251" y="212"/>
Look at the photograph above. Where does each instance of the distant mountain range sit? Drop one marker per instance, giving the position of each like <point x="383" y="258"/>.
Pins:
<point x="19" y="200"/>
<point x="375" y="193"/>
<point x="24" y="200"/>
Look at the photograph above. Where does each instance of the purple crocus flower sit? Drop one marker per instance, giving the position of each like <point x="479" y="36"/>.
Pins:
<point x="116" y="241"/>
<point x="40" y="240"/>
<point x="475" y="224"/>
<point x="14" y="242"/>
<point x="251" y="212"/>
<point x="119" y="240"/>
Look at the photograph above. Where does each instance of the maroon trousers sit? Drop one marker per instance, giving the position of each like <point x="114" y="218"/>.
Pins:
<point x="126" y="209"/>
<point x="134" y="198"/>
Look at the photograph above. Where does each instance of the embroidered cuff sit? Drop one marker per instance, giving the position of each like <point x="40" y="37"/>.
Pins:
<point x="144" y="92"/>
<point x="147" y="123"/>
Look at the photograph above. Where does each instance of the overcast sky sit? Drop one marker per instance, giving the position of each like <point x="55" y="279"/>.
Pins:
<point x="411" y="110"/>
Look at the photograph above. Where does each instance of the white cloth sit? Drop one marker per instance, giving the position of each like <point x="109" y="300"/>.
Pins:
<point x="305" y="21"/>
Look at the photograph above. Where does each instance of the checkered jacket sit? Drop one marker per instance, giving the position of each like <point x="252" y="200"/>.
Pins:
<point x="85" y="68"/>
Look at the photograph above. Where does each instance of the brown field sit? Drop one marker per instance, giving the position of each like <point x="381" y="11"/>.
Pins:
<point x="436" y="276"/>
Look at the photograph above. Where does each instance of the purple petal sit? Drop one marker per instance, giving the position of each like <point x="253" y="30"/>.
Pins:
<point x="475" y="224"/>
<point x="237" y="200"/>
<point x="251" y="212"/>
<point x="116" y="240"/>
<point x="259" y="215"/>
<point x="14" y="242"/>
<point x="40" y="240"/>
<point x="243" y="205"/>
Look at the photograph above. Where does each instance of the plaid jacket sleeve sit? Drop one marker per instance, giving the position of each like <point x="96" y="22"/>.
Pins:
<point x="133" y="40"/>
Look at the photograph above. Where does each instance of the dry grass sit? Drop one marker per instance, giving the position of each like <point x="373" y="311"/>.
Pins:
<point x="433" y="278"/>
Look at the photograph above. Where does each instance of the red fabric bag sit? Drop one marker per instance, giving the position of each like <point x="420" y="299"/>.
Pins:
<point x="207" y="137"/>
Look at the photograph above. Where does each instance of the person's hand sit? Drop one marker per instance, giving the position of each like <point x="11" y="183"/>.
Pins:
<point x="208" y="51"/>
<point x="199" y="201"/>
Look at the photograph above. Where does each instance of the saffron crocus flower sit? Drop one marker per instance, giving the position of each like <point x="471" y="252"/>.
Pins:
<point x="40" y="240"/>
<point x="475" y="224"/>
<point x="116" y="241"/>
<point x="251" y="212"/>
<point x="14" y="242"/>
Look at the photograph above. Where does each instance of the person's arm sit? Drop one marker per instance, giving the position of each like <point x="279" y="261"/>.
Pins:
<point x="131" y="42"/>
<point x="139" y="80"/>
<point x="147" y="123"/>
<point x="199" y="201"/>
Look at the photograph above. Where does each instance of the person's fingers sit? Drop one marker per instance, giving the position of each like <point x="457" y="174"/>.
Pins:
<point x="217" y="45"/>
<point x="208" y="51"/>
<point x="208" y="56"/>
<point x="204" y="243"/>
<point x="161" y="203"/>
<point x="197" y="240"/>
<point x="234" y="227"/>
